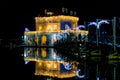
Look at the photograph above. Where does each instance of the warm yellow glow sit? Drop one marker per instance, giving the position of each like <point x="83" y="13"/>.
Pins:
<point x="56" y="74"/>
<point x="49" y="28"/>
<point x="40" y="28"/>
<point x="37" y="52"/>
<point x="48" y="65"/>
<point x="44" y="53"/>
<point x="56" y="18"/>
<point x="52" y="68"/>
<point x="30" y="32"/>
<point x="37" y="39"/>
<point x="55" y="65"/>
<point x="40" y="64"/>
<point x="30" y="59"/>
<point x="55" y="27"/>
<point x="44" y="39"/>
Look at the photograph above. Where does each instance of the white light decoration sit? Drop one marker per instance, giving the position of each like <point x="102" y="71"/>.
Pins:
<point x="49" y="13"/>
<point x="25" y="37"/>
<point x="26" y="62"/>
<point x="26" y="29"/>
<point x="25" y="55"/>
<point x="80" y="26"/>
<point x="77" y="28"/>
<point x="99" y="23"/>
<point x="54" y="55"/>
<point x="98" y="78"/>
<point x="68" y="66"/>
<point x="67" y="28"/>
<point x="54" y="38"/>
<point x="78" y="75"/>
<point x="92" y="23"/>
<point x="102" y="22"/>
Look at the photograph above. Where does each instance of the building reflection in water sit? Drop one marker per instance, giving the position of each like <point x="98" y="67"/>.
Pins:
<point x="49" y="63"/>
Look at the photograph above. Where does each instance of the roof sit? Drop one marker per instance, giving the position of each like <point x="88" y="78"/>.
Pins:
<point x="57" y="18"/>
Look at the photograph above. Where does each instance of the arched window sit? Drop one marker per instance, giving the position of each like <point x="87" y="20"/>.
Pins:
<point x="44" y="39"/>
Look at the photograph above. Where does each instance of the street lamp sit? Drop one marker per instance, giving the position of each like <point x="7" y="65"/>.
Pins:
<point x="95" y="24"/>
<point x="98" y="24"/>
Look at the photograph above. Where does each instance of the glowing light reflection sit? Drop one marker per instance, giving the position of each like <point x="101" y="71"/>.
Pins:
<point x="59" y="36"/>
<point x="78" y="75"/>
<point x="26" y="62"/>
<point x="68" y="66"/>
<point x="98" y="78"/>
<point x="26" y="29"/>
<point x="25" y="55"/>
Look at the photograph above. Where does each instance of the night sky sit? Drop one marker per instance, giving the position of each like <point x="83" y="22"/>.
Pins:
<point x="18" y="14"/>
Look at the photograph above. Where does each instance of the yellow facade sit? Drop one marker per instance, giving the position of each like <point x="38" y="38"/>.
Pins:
<point x="52" y="23"/>
<point x="52" y="68"/>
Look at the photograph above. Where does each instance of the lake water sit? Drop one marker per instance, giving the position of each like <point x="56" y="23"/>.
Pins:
<point x="94" y="68"/>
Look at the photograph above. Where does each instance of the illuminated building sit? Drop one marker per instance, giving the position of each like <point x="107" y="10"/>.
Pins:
<point x="51" y="30"/>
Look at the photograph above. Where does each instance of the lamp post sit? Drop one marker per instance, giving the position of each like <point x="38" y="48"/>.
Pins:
<point x="95" y="24"/>
<point x="98" y="24"/>
<point x="114" y="32"/>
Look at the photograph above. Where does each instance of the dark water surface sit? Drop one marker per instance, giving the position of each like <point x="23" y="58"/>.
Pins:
<point x="94" y="68"/>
